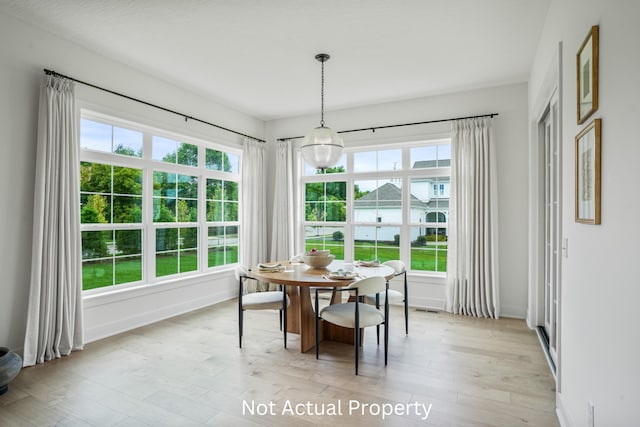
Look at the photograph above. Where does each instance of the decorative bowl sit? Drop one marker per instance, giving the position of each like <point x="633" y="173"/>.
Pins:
<point x="319" y="252"/>
<point x="318" y="261"/>
<point x="10" y="364"/>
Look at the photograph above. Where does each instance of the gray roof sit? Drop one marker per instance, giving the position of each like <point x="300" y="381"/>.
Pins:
<point x="386" y="196"/>
<point x="423" y="164"/>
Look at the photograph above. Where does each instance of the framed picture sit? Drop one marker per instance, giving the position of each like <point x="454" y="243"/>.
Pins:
<point x="588" y="174"/>
<point x="587" y="76"/>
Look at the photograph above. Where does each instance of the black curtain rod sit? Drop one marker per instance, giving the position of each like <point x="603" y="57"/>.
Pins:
<point x="373" y="128"/>
<point x="186" y="117"/>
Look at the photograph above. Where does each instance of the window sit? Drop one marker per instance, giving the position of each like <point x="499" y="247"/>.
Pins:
<point x="325" y="212"/>
<point x="392" y="203"/>
<point x="153" y="205"/>
<point x="111" y="208"/>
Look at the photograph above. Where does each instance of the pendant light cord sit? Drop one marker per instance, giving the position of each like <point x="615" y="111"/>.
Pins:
<point x="322" y="95"/>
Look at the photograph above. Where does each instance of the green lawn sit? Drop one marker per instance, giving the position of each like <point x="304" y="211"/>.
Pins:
<point x="98" y="274"/>
<point x="432" y="257"/>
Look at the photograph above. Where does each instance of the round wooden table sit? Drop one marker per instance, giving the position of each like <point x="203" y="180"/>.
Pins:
<point x="298" y="279"/>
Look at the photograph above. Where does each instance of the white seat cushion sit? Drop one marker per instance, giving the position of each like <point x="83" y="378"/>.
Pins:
<point x="344" y="315"/>
<point x="394" y="296"/>
<point x="271" y="300"/>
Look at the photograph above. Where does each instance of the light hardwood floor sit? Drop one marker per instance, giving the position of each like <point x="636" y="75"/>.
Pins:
<point x="189" y="371"/>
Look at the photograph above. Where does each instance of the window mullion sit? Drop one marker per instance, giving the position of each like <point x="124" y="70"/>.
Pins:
<point x="149" y="232"/>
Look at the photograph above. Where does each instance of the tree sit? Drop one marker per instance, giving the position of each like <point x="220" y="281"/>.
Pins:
<point x="357" y="194"/>
<point x="96" y="215"/>
<point x="93" y="242"/>
<point x="166" y="238"/>
<point x="217" y="160"/>
<point x="129" y="242"/>
<point x="335" y="169"/>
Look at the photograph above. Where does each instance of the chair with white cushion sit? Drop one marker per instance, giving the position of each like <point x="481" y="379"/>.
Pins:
<point x="394" y="296"/>
<point x="356" y="314"/>
<point x="265" y="300"/>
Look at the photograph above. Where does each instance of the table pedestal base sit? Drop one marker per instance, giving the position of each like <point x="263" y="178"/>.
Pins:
<point x="301" y="320"/>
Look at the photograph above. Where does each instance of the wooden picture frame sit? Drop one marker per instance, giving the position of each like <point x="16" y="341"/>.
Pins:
<point x="587" y="76"/>
<point x="588" y="146"/>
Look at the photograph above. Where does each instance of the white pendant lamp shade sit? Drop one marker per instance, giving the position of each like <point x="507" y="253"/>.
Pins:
<point x="322" y="147"/>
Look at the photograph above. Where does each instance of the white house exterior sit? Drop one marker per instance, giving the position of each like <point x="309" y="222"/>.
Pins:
<point x="429" y="206"/>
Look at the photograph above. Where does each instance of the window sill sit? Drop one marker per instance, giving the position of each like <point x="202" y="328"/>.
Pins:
<point x="117" y="293"/>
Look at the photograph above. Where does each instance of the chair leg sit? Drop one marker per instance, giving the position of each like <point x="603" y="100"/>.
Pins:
<point x="283" y="313"/>
<point x="357" y="337"/>
<point x="406" y="316"/>
<point x="406" y="305"/>
<point x="240" y="312"/>
<point x="378" y="326"/>
<point x="356" y="346"/>
<point x="386" y="340"/>
<point x="316" y="316"/>
<point x="386" y="331"/>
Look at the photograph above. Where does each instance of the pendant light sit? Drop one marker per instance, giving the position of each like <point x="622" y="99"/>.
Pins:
<point x="322" y="146"/>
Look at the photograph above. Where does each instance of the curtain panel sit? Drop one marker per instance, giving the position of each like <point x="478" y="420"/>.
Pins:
<point x="54" y="314"/>
<point x="286" y="204"/>
<point x="473" y="285"/>
<point x="253" y="221"/>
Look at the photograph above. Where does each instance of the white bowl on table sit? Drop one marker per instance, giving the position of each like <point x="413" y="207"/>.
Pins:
<point x="318" y="261"/>
<point x="319" y="252"/>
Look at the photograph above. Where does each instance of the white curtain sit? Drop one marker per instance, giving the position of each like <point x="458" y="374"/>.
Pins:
<point x="473" y="286"/>
<point x="54" y="317"/>
<point x="253" y="219"/>
<point x="286" y="203"/>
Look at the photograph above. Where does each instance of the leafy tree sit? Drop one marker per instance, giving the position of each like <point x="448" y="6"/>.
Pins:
<point x="325" y="192"/>
<point x="96" y="215"/>
<point x="93" y="242"/>
<point x="129" y="242"/>
<point x="187" y="154"/>
<point x="217" y="160"/>
<point x="189" y="237"/>
<point x="167" y="238"/>
<point x="127" y="151"/>
<point x="421" y="241"/>
<point x="357" y="194"/>
<point x="335" y="169"/>
<point x="338" y="235"/>
<point x="95" y="177"/>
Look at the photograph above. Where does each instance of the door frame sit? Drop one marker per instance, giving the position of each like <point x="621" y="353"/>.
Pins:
<point x="551" y="86"/>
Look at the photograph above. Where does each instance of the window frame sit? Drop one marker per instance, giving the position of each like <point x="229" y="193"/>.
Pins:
<point x="148" y="226"/>
<point x="405" y="174"/>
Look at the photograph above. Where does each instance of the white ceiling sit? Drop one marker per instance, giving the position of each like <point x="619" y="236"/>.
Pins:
<point x="257" y="56"/>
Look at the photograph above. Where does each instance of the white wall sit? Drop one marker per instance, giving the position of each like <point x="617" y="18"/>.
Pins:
<point x="600" y="344"/>
<point x="24" y="52"/>
<point x="512" y="136"/>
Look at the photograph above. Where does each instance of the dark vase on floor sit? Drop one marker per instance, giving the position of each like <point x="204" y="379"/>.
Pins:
<point x="10" y="365"/>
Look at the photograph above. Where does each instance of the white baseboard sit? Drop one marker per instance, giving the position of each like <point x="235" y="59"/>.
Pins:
<point x="513" y="312"/>
<point x="125" y="324"/>
<point x="563" y="416"/>
<point x="426" y="303"/>
<point x="113" y="314"/>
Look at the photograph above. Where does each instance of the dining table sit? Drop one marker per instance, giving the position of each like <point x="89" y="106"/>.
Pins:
<point x="298" y="279"/>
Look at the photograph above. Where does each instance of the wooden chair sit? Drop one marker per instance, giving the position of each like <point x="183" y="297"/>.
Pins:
<point x="394" y="296"/>
<point x="356" y="314"/>
<point x="266" y="300"/>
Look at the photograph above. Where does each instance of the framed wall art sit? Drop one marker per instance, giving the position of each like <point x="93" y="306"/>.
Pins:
<point x="588" y="173"/>
<point x="587" y="75"/>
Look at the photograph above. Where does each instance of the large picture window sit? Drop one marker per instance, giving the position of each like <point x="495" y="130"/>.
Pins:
<point x="153" y="205"/>
<point x="385" y="204"/>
